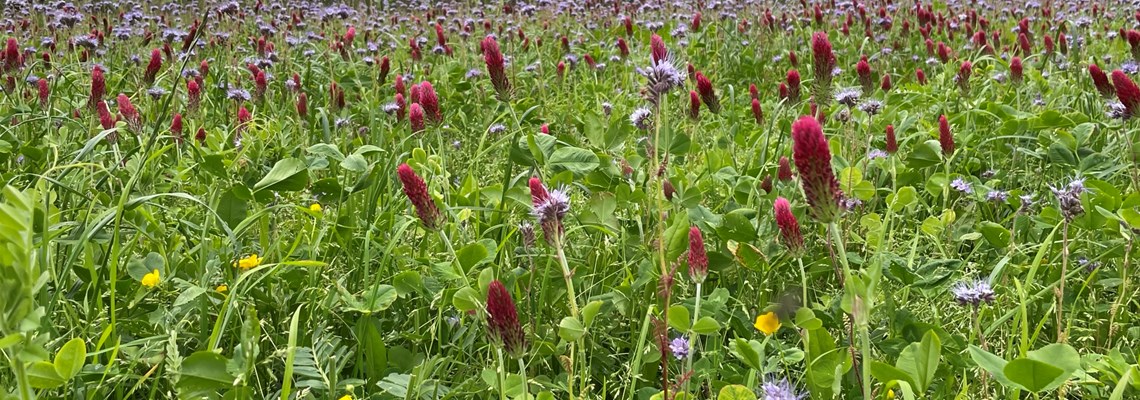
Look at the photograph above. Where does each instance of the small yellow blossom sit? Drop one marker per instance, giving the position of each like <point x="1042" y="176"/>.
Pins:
<point x="151" y="280"/>
<point x="890" y="393"/>
<point x="768" y="323"/>
<point x="249" y="262"/>
<point x="222" y="288"/>
<point x="345" y="397"/>
<point x="316" y="207"/>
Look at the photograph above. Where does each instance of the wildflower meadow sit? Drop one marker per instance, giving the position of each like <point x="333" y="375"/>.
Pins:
<point x="597" y="199"/>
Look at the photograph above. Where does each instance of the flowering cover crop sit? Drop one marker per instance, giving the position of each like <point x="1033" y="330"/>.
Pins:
<point x="604" y="199"/>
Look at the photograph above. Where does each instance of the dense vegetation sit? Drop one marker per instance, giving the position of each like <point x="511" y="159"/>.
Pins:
<point x="601" y="199"/>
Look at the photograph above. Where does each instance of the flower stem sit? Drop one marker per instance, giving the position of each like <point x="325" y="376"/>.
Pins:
<point x="1061" y="286"/>
<point x="693" y="337"/>
<point x="502" y="376"/>
<point x="455" y="258"/>
<point x="803" y="280"/>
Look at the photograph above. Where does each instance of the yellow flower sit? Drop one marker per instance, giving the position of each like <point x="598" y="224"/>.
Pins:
<point x="221" y="288"/>
<point x="767" y="323"/>
<point x="249" y="262"/>
<point x="890" y="393"/>
<point x="345" y="397"/>
<point x="151" y="280"/>
<point x="316" y="207"/>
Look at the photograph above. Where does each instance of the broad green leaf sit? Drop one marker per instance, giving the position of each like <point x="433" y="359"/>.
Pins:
<point x="70" y="358"/>
<point x="471" y="255"/>
<point x="290" y="174"/>
<point x="924" y="155"/>
<point x="747" y="352"/>
<point x="920" y="360"/>
<point x="466" y="299"/>
<point x="590" y="311"/>
<point x="995" y="234"/>
<point x="679" y="318"/>
<point x="570" y="329"/>
<point x="43" y="375"/>
<point x="706" y="326"/>
<point x="805" y="318"/>
<point x="735" y="392"/>
<point x="354" y="163"/>
<point x="901" y="198"/>
<point x="203" y="372"/>
<point x="408" y="282"/>
<point x="576" y="160"/>
<point x="1059" y="355"/>
<point x="993" y="364"/>
<point x="1031" y="374"/>
<point x="886" y="373"/>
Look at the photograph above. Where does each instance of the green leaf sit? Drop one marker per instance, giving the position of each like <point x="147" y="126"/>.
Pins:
<point x="993" y="364"/>
<point x="378" y="299"/>
<point x="995" y="234"/>
<point x="354" y="163"/>
<point x="886" y="373"/>
<point x="43" y="375"/>
<point x="1058" y="355"/>
<point x="679" y="318"/>
<point x="203" y="372"/>
<point x="805" y="318"/>
<point x="570" y="329"/>
<point x="232" y="209"/>
<point x="408" y="282"/>
<point x="735" y="392"/>
<point x="737" y="225"/>
<point x="466" y="299"/>
<point x="290" y="174"/>
<point x="924" y="155"/>
<point x="1031" y="374"/>
<point x="747" y="352"/>
<point x="706" y="326"/>
<point x="576" y="160"/>
<point x="901" y="198"/>
<point x="590" y="311"/>
<point x="471" y="255"/>
<point x="920" y="360"/>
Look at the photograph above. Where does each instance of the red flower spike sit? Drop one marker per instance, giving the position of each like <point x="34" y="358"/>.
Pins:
<point x="698" y="260"/>
<point x="417" y="192"/>
<point x="303" y="105"/>
<point x="757" y="112"/>
<point x="813" y="160"/>
<point x="493" y="57"/>
<point x="657" y="48"/>
<point x="153" y="67"/>
<point x="503" y="320"/>
<point x="708" y="95"/>
<point x="694" y="105"/>
<point x="1127" y="92"/>
<point x="789" y="227"/>
<point x="945" y="137"/>
<point x="416" y="117"/>
<point x="784" y="172"/>
<point x="892" y="142"/>
<point x="1016" y="70"/>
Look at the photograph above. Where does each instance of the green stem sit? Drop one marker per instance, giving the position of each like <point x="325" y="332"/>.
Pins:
<point x="693" y="337"/>
<point x="502" y="376"/>
<point x="23" y="386"/>
<point x="803" y="280"/>
<point x="572" y="300"/>
<point x="455" y="259"/>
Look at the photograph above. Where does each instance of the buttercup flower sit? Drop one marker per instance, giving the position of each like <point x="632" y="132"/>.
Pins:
<point x="767" y="323"/>
<point x="151" y="279"/>
<point x="315" y="207"/>
<point x="249" y="262"/>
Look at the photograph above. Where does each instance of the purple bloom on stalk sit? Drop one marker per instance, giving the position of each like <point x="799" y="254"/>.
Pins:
<point x="997" y="196"/>
<point x="973" y="293"/>
<point x="549" y="207"/>
<point x="779" y="390"/>
<point x="503" y="319"/>
<point x="679" y="347"/>
<point x="962" y="185"/>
